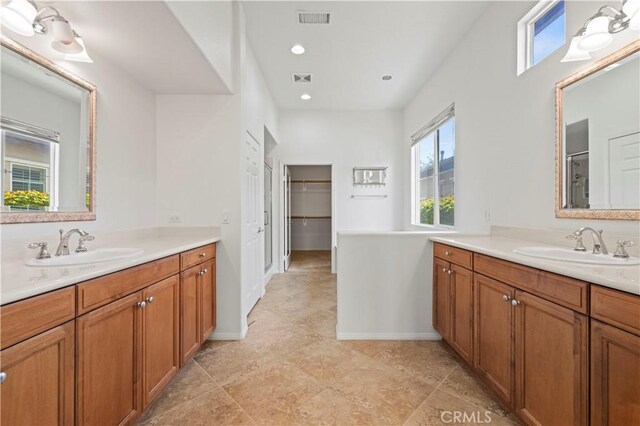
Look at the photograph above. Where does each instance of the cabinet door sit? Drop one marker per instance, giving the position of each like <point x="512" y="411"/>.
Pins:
<point x="161" y="331"/>
<point x="38" y="388"/>
<point x="207" y="299"/>
<point x="441" y="298"/>
<point x="615" y="376"/>
<point x="109" y="356"/>
<point x="493" y="326"/>
<point x="551" y="350"/>
<point x="461" y="333"/>
<point x="189" y="313"/>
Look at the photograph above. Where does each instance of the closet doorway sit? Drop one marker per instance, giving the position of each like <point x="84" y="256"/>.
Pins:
<point x="308" y="232"/>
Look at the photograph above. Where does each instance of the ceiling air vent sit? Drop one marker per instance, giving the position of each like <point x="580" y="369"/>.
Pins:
<point x="314" y="17"/>
<point x="301" y="78"/>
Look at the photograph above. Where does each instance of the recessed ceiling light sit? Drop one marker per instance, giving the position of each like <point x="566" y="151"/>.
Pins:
<point x="387" y="77"/>
<point x="297" y="49"/>
<point x="305" y="97"/>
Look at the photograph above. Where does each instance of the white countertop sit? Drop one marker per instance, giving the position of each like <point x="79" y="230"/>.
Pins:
<point x="19" y="281"/>
<point x="624" y="278"/>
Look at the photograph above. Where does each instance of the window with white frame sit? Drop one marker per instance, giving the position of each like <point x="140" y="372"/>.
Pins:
<point x="541" y="32"/>
<point x="433" y="177"/>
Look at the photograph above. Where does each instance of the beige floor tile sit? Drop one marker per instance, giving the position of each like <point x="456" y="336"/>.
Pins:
<point x="426" y="363"/>
<point x="390" y="394"/>
<point x="327" y="361"/>
<point x="212" y="408"/>
<point x="272" y="395"/>
<point x="190" y="382"/>
<point x="231" y="361"/>
<point x="442" y="408"/>
<point x="369" y="347"/>
<point x="463" y="384"/>
<point x="330" y="408"/>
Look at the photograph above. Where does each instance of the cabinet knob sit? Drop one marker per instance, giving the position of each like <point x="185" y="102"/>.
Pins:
<point x="3" y="377"/>
<point x="447" y="253"/>
<point x="203" y="254"/>
<point x="449" y="271"/>
<point x="204" y="271"/>
<point x="506" y="298"/>
<point x="142" y="304"/>
<point x="515" y="303"/>
<point x="444" y="269"/>
<point x="150" y="299"/>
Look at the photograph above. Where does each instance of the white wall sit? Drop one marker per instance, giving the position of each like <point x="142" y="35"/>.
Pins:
<point x="126" y="151"/>
<point x="384" y="286"/>
<point x="505" y="138"/>
<point x="200" y="139"/>
<point x="347" y="139"/>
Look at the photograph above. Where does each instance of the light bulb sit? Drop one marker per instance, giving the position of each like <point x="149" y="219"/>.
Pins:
<point x="297" y="49"/>
<point x="18" y="16"/>
<point x="575" y="53"/>
<point x="597" y="35"/>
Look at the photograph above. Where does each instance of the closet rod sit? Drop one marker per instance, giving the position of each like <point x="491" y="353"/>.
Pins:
<point x="310" y="181"/>
<point x="310" y="217"/>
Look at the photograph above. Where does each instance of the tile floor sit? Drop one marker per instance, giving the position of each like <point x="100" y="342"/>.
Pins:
<point x="290" y="369"/>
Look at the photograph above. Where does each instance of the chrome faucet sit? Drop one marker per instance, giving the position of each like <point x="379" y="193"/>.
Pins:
<point x="63" y="247"/>
<point x="599" y="246"/>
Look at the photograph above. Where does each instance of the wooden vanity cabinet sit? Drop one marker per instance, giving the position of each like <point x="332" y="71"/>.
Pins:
<point x="198" y="307"/>
<point x="453" y="298"/>
<point x="38" y="388"/>
<point x="109" y="356"/>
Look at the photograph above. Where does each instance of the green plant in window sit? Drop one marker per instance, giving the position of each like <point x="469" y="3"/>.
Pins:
<point x="26" y="198"/>
<point x="447" y="205"/>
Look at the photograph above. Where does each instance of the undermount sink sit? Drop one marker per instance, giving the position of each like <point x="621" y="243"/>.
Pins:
<point x="90" y="257"/>
<point x="570" y="255"/>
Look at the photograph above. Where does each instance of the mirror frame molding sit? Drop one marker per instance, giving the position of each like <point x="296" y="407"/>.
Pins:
<point x="6" y="217"/>
<point x="560" y="86"/>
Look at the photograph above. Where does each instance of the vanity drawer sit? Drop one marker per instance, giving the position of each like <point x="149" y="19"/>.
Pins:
<point x="26" y="318"/>
<point x="100" y="291"/>
<point x="559" y="289"/>
<point x="455" y="255"/>
<point x="616" y="308"/>
<point x="198" y="255"/>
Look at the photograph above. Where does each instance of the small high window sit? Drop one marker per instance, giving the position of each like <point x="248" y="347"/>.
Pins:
<point x="540" y="33"/>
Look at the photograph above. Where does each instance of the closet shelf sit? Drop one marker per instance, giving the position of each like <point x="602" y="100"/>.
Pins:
<point x="310" y="217"/>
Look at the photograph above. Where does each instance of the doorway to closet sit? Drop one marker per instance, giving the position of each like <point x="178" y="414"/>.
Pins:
<point x="308" y="217"/>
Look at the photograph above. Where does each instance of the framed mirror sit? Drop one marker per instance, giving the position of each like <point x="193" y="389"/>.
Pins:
<point x="598" y="139"/>
<point x="47" y="131"/>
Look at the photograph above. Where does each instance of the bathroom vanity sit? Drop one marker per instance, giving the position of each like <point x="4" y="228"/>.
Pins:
<point x="98" y="351"/>
<point x="550" y="346"/>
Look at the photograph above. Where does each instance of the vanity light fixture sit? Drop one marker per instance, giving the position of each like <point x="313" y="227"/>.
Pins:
<point x="305" y="96"/>
<point x="83" y="56"/>
<point x="597" y="32"/>
<point x="297" y="49"/>
<point x="24" y="18"/>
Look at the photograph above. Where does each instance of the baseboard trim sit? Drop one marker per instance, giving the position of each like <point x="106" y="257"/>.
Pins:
<point x="229" y="336"/>
<point x="388" y="336"/>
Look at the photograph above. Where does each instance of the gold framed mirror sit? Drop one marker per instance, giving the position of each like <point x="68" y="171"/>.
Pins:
<point x="598" y="139"/>
<point x="48" y="140"/>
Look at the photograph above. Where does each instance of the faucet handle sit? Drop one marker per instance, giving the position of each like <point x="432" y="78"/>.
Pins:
<point x="43" y="253"/>
<point x="81" y="247"/>
<point x="620" y="251"/>
<point x="578" y="238"/>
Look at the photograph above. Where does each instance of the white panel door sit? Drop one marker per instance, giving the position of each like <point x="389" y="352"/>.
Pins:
<point x="252" y="223"/>
<point x="624" y="172"/>
<point x="286" y="190"/>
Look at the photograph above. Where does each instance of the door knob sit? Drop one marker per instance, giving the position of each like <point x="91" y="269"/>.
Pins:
<point x="260" y="229"/>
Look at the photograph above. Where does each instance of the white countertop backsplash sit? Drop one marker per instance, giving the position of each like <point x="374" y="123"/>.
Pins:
<point x="504" y="240"/>
<point x="19" y="281"/>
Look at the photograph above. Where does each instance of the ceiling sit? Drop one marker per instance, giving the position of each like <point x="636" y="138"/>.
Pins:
<point x="144" y="39"/>
<point x="348" y="57"/>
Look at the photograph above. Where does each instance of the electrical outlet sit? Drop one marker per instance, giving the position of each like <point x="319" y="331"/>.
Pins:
<point x="225" y="217"/>
<point x="175" y="219"/>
